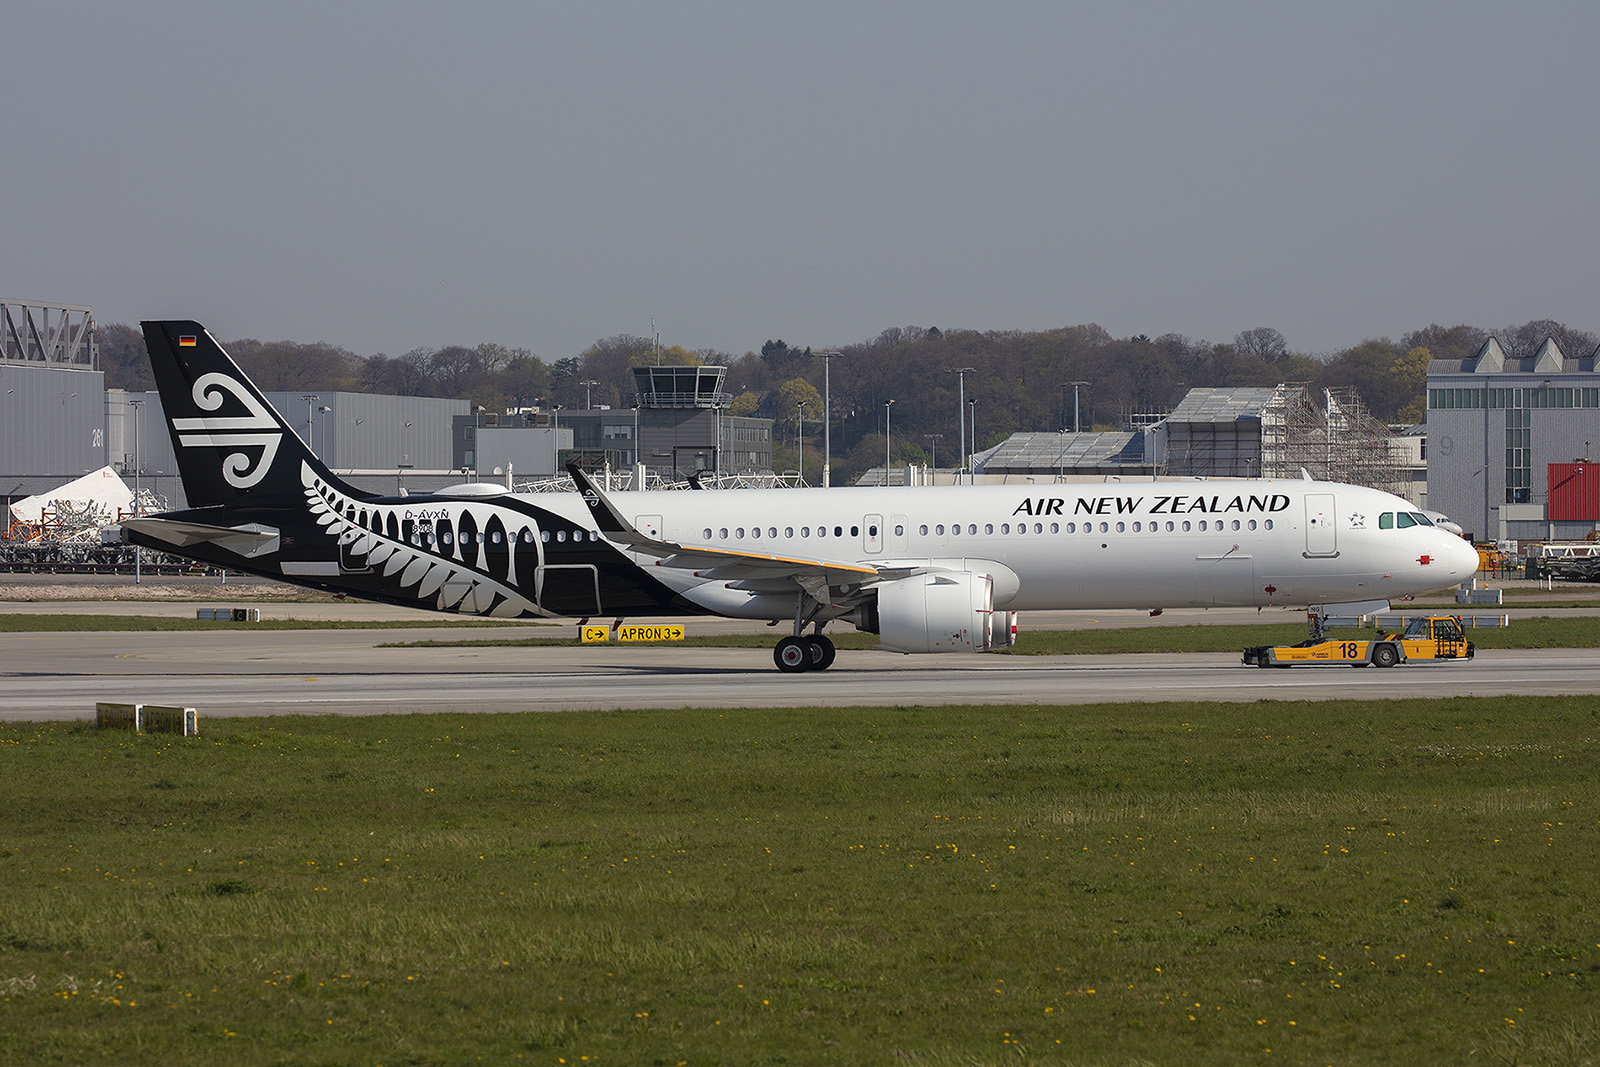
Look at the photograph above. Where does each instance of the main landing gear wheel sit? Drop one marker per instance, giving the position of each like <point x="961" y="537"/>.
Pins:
<point x="792" y="655"/>
<point x="822" y="652"/>
<point x="796" y="654"/>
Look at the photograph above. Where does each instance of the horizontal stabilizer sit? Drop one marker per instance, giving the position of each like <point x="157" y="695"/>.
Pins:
<point x="251" y="539"/>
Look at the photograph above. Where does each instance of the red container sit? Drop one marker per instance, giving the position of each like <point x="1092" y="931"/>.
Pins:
<point x="1574" y="492"/>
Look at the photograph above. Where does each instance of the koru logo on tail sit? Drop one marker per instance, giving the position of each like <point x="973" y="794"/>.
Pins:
<point x="255" y="430"/>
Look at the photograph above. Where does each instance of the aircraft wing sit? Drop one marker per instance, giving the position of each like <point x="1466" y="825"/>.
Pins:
<point x="747" y="568"/>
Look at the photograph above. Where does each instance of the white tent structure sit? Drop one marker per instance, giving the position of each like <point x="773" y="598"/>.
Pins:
<point x="100" y="497"/>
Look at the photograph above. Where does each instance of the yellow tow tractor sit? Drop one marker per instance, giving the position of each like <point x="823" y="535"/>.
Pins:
<point x="1428" y="637"/>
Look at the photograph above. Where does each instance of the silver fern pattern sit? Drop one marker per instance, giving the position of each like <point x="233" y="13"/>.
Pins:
<point x="461" y="554"/>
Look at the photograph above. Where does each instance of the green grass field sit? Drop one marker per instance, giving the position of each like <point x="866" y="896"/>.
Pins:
<point x="1343" y="883"/>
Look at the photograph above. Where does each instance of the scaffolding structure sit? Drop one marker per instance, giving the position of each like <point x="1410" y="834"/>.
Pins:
<point x="56" y="335"/>
<point x="1278" y="432"/>
<point x="1338" y="442"/>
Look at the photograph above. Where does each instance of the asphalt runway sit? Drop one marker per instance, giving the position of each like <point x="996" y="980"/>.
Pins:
<point x="52" y="676"/>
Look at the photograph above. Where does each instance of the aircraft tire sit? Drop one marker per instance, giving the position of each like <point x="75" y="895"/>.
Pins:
<point x="793" y="655"/>
<point x="822" y="652"/>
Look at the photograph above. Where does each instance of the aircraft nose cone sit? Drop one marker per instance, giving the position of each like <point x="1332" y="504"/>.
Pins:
<point x="1461" y="558"/>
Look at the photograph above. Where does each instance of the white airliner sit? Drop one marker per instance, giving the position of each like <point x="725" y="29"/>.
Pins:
<point x="942" y="569"/>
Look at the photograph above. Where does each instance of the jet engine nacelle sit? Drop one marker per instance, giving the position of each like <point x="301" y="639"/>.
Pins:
<point x="941" y="612"/>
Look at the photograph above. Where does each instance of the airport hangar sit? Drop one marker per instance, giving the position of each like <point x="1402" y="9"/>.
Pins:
<point x="1510" y="441"/>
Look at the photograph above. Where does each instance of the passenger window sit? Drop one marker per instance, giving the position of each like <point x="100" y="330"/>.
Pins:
<point x="772" y="531"/>
<point x="1235" y="524"/>
<point x="1386" y="521"/>
<point x="1252" y="524"/>
<point x="445" y="538"/>
<point x="1268" y="524"/>
<point x="1105" y="527"/>
<point x="838" y="531"/>
<point x="739" y="533"/>
<point x="1185" y="525"/>
<point x="1005" y="527"/>
<point x="939" y="529"/>
<point x="923" y="529"/>
<point x="707" y="534"/>
<point x="899" y="531"/>
<point x="724" y="533"/>
<point x="561" y="535"/>
<point x="988" y="527"/>
<point x="855" y="531"/>
<point x="1121" y="528"/>
<point x="805" y="531"/>
<point x="1055" y="527"/>
<point x="788" y="531"/>
<point x="1072" y="527"/>
<point x="1136" y="527"/>
<point x="755" y="531"/>
<point x="1169" y="526"/>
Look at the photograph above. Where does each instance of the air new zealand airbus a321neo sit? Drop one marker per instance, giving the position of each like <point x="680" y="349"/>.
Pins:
<point x="940" y="569"/>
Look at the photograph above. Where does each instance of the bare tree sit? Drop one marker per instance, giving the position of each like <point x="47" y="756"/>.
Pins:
<point x="1263" y="342"/>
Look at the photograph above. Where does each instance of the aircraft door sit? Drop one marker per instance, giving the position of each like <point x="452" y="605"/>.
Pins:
<point x="568" y="588"/>
<point x="899" y="535"/>
<point x="872" y="533"/>
<point x="1321" y="532"/>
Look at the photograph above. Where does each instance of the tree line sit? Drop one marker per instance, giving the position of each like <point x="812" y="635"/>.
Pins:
<point x="1018" y="379"/>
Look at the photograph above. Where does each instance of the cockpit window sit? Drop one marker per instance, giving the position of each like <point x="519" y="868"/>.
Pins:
<point x="1386" y="521"/>
<point x="1422" y="520"/>
<point x="1404" y="519"/>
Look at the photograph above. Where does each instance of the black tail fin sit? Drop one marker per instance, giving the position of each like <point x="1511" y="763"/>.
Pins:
<point x="232" y="446"/>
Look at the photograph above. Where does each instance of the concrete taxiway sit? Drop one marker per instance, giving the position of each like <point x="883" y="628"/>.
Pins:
<point x="240" y="670"/>
<point x="246" y="672"/>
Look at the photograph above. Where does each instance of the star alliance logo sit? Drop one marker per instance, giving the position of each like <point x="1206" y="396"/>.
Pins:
<point x="255" y="430"/>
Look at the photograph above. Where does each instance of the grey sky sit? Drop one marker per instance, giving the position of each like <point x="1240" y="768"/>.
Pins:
<point x="384" y="176"/>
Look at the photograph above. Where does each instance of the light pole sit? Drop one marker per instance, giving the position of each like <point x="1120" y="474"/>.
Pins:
<point x="800" y="441"/>
<point x="934" y="437"/>
<point x="716" y="448"/>
<point x="1075" y="427"/>
<point x="138" y="552"/>
<point x="961" y="407"/>
<point x="637" y="477"/>
<point x="887" y="404"/>
<point x="586" y="383"/>
<point x="972" y="406"/>
<point x="827" y="418"/>
<point x="1061" y="460"/>
<point x="309" y="398"/>
<point x="326" y="423"/>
